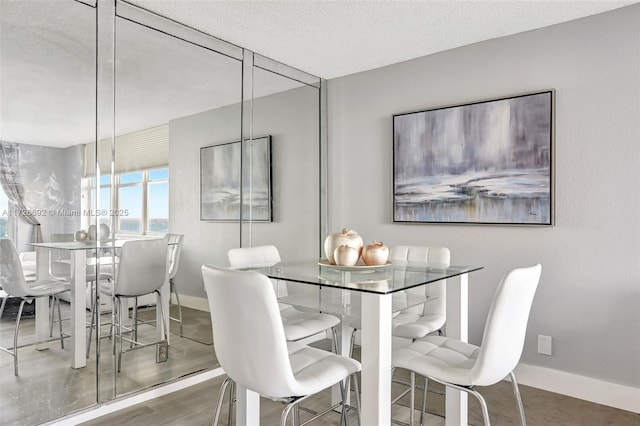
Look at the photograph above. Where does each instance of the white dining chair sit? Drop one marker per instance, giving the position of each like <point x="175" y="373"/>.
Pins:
<point x="142" y="270"/>
<point x="13" y="284"/>
<point x="425" y="318"/>
<point x="252" y="348"/>
<point x="464" y="366"/>
<point x="298" y="324"/>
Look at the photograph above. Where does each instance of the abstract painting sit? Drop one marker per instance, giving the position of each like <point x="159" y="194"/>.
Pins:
<point x="221" y="180"/>
<point x="486" y="162"/>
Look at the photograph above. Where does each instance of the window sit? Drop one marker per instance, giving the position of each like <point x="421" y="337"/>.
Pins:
<point x="141" y="204"/>
<point x="131" y="202"/>
<point x="158" y="201"/>
<point x="4" y="215"/>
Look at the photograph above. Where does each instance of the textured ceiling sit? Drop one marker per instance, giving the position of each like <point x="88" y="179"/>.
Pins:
<point x="335" y="38"/>
<point x="47" y="52"/>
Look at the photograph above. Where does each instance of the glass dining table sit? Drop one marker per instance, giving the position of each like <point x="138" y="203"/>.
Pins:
<point x="372" y="294"/>
<point x="77" y="259"/>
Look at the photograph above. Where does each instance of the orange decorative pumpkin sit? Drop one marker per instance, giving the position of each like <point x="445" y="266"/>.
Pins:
<point x="375" y="254"/>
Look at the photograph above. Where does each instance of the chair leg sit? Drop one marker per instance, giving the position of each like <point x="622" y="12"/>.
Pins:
<point x="118" y="337"/>
<point x="356" y="389"/>
<point x="172" y="287"/>
<point x="412" y="402"/>
<point x="162" y="348"/>
<point x="52" y="308"/>
<point x="223" y="388"/>
<point x="15" y="338"/>
<point x="93" y="322"/>
<point x="285" y="414"/>
<point x="232" y="395"/>
<point x="424" y="400"/>
<point x="56" y="300"/>
<point x="134" y="324"/>
<point x="4" y="302"/>
<point x="98" y="328"/>
<point x="352" y="342"/>
<point x="345" y="395"/>
<point x="516" y="392"/>
<point x="94" y="310"/>
<point x="113" y="318"/>
<point x="336" y="347"/>
<point x="483" y="405"/>
<point x="296" y="415"/>
<point x="292" y="406"/>
<point x="163" y="315"/>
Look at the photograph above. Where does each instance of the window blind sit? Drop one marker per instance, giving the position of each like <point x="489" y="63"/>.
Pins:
<point x="145" y="149"/>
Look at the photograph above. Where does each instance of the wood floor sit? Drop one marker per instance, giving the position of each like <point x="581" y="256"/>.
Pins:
<point x="48" y="388"/>
<point x="195" y="406"/>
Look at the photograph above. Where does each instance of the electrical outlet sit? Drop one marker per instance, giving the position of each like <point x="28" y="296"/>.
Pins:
<point x="544" y="344"/>
<point x="162" y="352"/>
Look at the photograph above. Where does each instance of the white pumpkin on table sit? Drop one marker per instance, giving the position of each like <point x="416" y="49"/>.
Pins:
<point x="346" y="237"/>
<point x="345" y="255"/>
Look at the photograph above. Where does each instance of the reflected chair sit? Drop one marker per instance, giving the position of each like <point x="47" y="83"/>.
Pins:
<point x="175" y="249"/>
<point x="142" y="270"/>
<point x="298" y="325"/>
<point x="251" y="346"/>
<point x="464" y="366"/>
<point x="28" y="261"/>
<point x="13" y="283"/>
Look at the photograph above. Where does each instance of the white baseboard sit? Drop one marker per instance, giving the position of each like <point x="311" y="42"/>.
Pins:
<point x="126" y="402"/>
<point x="193" y="302"/>
<point x="589" y="389"/>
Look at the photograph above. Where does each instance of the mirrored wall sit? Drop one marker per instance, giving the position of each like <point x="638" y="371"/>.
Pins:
<point x="118" y="117"/>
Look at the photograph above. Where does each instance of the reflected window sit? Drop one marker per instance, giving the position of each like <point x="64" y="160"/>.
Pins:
<point x="158" y="201"/>
<point x="130" y="206"/>
<point x="142" y="202"/>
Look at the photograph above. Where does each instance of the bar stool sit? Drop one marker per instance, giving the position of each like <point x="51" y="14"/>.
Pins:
<point x="13" y="284"/>
<point x="251" y="346"/>
<point x="464" y="366"/>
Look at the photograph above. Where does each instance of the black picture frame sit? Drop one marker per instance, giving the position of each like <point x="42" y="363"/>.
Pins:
<point x="483" y="162"/>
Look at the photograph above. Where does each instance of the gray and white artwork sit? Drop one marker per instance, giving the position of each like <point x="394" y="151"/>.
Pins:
<point x="486" y="162"/>
<point x="220" y="181"/>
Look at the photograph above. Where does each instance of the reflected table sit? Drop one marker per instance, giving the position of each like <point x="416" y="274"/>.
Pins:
<point x="377" y="287"/>
<point x="78" y="262"/>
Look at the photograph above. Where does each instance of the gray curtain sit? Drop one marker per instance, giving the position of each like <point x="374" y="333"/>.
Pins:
<point x="11" y="182"/>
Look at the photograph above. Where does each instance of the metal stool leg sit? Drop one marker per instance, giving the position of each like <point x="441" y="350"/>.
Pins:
<point x="223" y="388"/>
<point x="172" y="287"/>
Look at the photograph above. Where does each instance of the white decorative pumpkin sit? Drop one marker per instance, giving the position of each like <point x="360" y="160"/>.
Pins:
<point x="91" y="233"/>
<point x="348" y="237"/>
<point x="345" y="255"/>
<point x="104" y="232"/>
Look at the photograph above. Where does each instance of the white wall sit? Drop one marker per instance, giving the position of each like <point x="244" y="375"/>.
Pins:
<point x="291" y="118"/>
<point x="204" y="242"/>
<point x="589" y="295"/>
